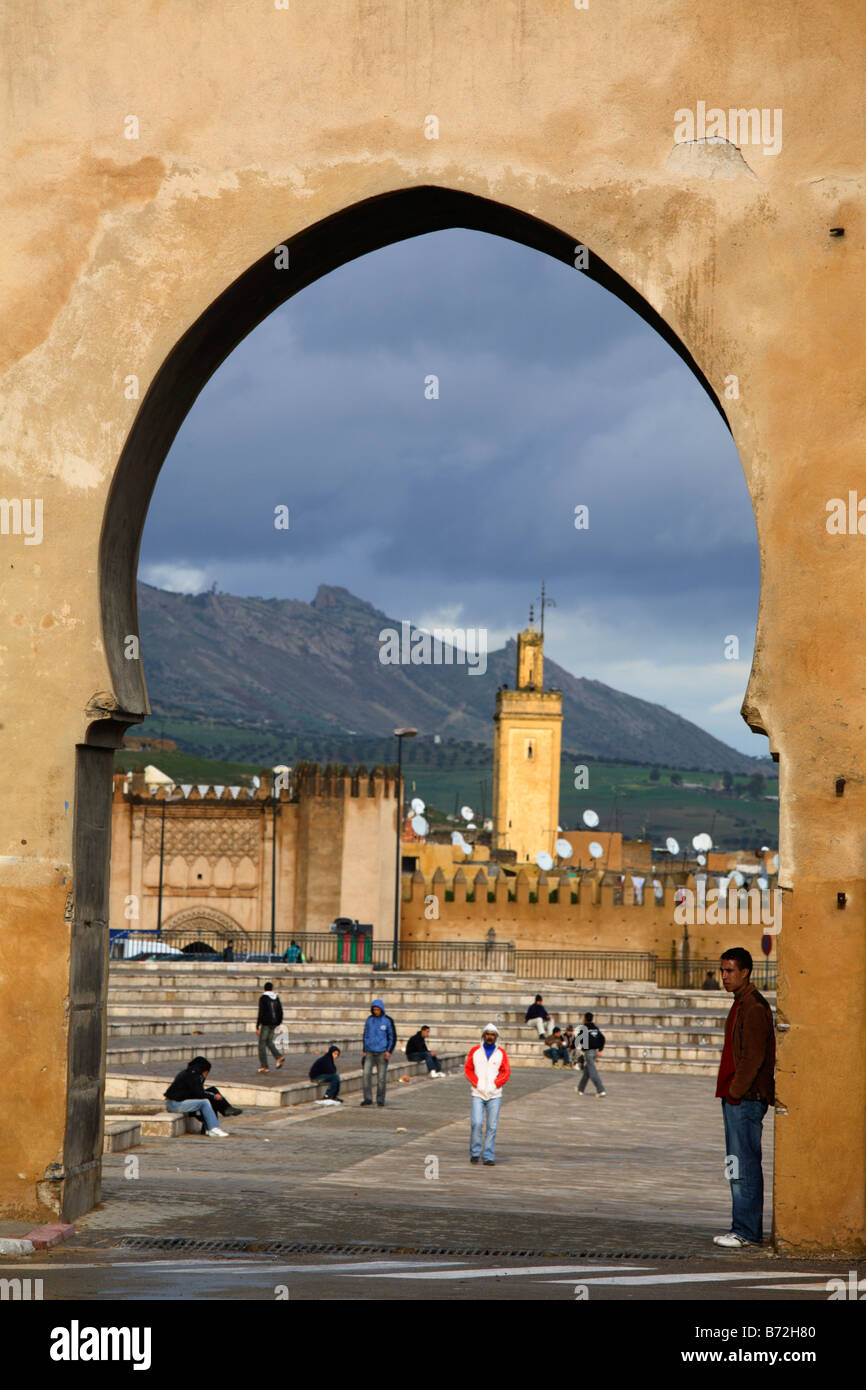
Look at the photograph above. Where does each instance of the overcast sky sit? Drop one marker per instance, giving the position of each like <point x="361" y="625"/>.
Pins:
<point x="451" y="512"/>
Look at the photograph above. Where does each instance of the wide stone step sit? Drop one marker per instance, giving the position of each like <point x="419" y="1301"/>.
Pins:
<point x="128" y="1086"/>
<point x="353" y="1014"/>
<point x="121" y="1134"/>
<point x="179" y="1048"/>
<point x="157" y="1027"/>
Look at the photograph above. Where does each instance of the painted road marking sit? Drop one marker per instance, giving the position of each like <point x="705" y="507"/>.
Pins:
<point x="504" y="1272"/>
<point x="655" y="1279"/>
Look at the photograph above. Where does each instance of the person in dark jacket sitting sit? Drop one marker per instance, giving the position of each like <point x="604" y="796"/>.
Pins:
<point x="325" y="1069"/>
<point x="537" y="1014"/>
<point x="187" y="1096"/>
<point x="418" y="1051"/>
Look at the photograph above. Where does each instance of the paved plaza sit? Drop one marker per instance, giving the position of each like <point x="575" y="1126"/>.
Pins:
<point x="601" y="1198"/>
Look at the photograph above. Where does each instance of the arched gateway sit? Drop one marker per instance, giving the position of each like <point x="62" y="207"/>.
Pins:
<point x="141" y="235"/>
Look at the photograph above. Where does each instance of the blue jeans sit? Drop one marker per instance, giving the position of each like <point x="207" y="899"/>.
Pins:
<point x="557" y="1054"/>
<point x="432" y="1062"/>
<point x="480" y="1111"/>
<point x="380" y="1062"/>
<point x="743" y="1142"/>
<point x="189" y="1107"/>
<point x="333" y="1087"/>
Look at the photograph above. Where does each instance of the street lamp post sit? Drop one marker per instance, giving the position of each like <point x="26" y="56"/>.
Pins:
<point x="400" y="734"/>
<point x="281" y="779"/>
<point x="162" y="860"/>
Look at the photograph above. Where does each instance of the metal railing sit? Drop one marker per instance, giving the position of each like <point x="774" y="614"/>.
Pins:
<point x="585" y="965"/>
<point x="690" y="974"/>
<point x="479" y="957"/>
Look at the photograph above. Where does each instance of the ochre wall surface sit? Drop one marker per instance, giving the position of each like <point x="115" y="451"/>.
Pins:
<point x="256" y="125"/>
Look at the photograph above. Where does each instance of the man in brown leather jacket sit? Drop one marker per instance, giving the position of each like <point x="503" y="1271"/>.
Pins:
<point x="745" y="1087"/>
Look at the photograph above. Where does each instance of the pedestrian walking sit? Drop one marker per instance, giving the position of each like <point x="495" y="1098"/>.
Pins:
<point x="269" y="1019"/>
<point x="745" y="1087"/>
<point x="487" y="1069"/>
<point x="325" y="1069"/>
<point x="537" y="1014"/>
<point x="592" y="1042"/>
<point x="418" y="1051"/>
<point x="379" y="1041"/>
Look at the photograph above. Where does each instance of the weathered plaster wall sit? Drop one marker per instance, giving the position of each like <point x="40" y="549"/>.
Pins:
<point x="256" y="124"/>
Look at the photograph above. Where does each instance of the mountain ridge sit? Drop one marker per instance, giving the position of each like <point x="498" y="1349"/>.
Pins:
<point x="314" y="667"/>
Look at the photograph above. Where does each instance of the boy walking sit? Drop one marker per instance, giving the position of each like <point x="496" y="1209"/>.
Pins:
<point x="269" y="1019"/>
<point x="592" y="1041"/>
<point x="487" y="1069"/>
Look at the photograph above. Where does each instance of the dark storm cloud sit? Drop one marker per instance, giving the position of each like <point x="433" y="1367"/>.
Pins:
<point x="551" y="394"/>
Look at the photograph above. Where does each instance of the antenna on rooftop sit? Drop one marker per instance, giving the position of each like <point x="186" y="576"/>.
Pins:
<point x="545" y="603"/>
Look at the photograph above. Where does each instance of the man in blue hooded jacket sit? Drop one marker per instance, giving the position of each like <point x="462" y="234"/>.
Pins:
<point x="379" y="1041"/>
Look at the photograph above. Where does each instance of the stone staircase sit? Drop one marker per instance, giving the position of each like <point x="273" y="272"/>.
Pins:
<point x="161" y="1013"/>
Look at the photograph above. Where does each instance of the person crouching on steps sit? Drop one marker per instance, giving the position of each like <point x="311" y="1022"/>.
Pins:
<point x="269" y="1019"/>
<point x="487" y="1070"/>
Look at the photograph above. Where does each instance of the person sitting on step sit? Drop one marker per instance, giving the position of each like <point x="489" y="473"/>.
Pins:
<point x="187" y="1096"/>
<point x="325" y="1069"/>
<point x="418" y="1051"/>
<point x="557" y="1051"/>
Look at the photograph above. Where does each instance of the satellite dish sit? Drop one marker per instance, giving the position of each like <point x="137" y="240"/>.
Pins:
<point x="564" y="849"/>
<point x="472" y="826"/>
<point x="702" y="842"/>
<point x="456" y="837"/>
<point x="671" y="845"/>
<point x="595" y="850"/>
<point x="702" y="859"/>
<point x="590" y="818"/>
<point x="776" y="862"/>
<point x="418" y="806"/>
<point x="544" y="860"/>
<point x="419" y="825"/>
<point x="739" y="879"/>
<point x="257" y="782"/>
<point x="558" y="828"/>
<point x="467" y="812"/>
<point x="762" y="883"/>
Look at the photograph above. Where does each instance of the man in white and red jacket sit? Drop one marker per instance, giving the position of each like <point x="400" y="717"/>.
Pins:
<point x="487" y="1070"/>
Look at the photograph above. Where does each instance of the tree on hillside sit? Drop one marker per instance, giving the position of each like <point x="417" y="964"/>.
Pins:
<point x="757" y="782"/>
<point x="727" y="781"/>
<point x="676" y="779"/>
<point x="654" y="774"/>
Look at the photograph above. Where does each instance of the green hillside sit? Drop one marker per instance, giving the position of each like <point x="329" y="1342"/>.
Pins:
<point x="452" y="774"/>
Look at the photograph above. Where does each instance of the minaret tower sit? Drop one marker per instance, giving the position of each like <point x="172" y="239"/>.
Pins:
<point x="526" y="755"/>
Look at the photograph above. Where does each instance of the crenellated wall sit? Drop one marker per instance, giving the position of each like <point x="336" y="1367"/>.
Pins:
<point x="566" y="914"/>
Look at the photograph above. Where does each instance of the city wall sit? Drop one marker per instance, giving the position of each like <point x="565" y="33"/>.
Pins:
<point x="552" y="914"/>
